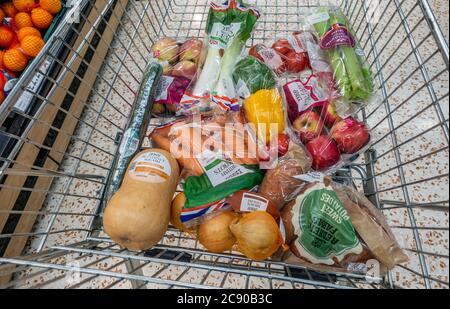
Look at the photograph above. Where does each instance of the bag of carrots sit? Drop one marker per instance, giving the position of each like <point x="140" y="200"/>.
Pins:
<point x="219" y="155"/>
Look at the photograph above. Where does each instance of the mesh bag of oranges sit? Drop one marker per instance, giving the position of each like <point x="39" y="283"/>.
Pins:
<point x="22" y="26"/>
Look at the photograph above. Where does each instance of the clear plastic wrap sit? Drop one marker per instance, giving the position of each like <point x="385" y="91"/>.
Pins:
<point x="230" y="24"/>
<point x="181" y="62"/>
<point x="331" y="227"/>
<point x="279" y="183"/>
<point x="285" y="56"/>
<point x="331" y="141"/>
<point x="351" y="73"/>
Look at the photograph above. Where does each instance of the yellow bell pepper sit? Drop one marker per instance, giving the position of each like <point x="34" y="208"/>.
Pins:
<point x="264" y="109"/>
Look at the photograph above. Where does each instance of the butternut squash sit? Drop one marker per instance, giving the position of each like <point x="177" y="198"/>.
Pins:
<point x="138" y="215"/>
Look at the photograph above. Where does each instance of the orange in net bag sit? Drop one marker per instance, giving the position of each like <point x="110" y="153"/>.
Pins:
<point x="24" y="5"/>
<point x="9" y="9"/>
<point x="15" y="60"/>
<point x="41" y="18"/>
<point x="52" y="6"/>
<point x="32" y="45"/>
<point x="28" y="31"/>
<point x="23" y="20"/>
<point x="6" y="37"/>
<point x="2" y="14"/>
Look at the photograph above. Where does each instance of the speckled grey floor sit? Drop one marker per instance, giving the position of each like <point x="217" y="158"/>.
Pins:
<point x="124" y="70"/>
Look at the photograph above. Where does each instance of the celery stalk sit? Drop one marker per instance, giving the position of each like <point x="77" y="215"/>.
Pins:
<point x="352" y="63"/>
<point x="352" y="78"/>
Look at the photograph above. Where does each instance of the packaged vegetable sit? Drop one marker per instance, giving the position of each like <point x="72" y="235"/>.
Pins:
<point x="329" y="227"/>
<point x="264" y="110"/>
<point x="136" y="127"/>
<point x="279" y="183"/>
<point x="352" y="75"/>
<point x="250" y="75"/>
<point x="286" y="55"/>
<point x="220" y="180"/>
<point x="181" y="63"/>
<point x="229" y="26"/>
<point x="198" y="141"/>
<point x="245" y="201"/>
<point x="331" y="141"/>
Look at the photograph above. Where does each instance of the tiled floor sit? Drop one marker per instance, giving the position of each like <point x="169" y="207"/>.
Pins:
<point x="421" y="180"/>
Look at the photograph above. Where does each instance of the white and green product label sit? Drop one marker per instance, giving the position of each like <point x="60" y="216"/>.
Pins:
<point x="324" y="228"/>
<point x="219" y="171"/>
<point x="222" y="35"/>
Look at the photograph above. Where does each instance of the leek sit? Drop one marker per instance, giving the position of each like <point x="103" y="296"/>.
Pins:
<point x="228" y="27"/>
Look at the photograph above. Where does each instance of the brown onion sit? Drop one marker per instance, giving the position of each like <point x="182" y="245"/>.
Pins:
<point x="215" y="234"/>
<point x="258" y="236"/>
<point x="175" y="214"/>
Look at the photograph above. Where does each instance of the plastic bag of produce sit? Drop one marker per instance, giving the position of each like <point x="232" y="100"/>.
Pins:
<point x="251" y="225"/>
<point x="351" y="73"/>
<point x="286" y="55"/>
<point x="181" y="62"/>
<point x="197" y="141"/>
<point x="331" y="141"/>
<point x="331" y="227"/>
<point x="279" y="183"/>
<point x="251" y="75"/>
<point x="229" y="25"/>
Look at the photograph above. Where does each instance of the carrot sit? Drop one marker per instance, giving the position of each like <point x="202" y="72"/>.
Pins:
<point x="182" y="156"/>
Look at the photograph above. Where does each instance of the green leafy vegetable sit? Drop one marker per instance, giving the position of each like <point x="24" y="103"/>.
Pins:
<point x="254" y="75"/>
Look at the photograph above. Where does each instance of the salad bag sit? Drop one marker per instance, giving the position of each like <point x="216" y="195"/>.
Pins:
<point x="229" y="26"/>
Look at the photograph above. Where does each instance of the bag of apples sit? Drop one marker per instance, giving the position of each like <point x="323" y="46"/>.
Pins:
<point x="332" y="141"/>
<point x="181" y="62"/>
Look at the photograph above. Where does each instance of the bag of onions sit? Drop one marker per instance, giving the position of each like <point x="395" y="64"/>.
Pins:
<point x="249" y="224"/>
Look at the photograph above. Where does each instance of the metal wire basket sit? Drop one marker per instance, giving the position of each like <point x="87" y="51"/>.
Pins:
<point x="56" y="152"/>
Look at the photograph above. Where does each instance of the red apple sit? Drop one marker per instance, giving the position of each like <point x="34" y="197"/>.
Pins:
<point x="296" y="62"/>
<point x="186" y="69"/>
<point x="283" y="47"/>
<point x="283" y="144"/>
<point x="330" y="115"/>
<point x="350" y="135"/>
<point x="324" y="152"/>
<point x="166" y="49"/>
<point x="309" y="126"/>
<point x="191" y="50"/>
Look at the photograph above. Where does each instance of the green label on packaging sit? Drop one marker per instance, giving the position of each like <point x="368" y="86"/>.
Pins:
<point x="324" y="229"/>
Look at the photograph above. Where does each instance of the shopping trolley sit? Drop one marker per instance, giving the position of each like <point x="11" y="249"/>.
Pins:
<point x="58" y="141"/>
